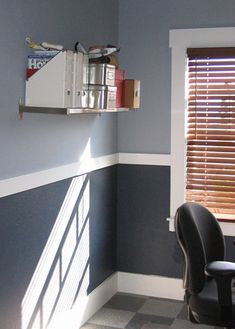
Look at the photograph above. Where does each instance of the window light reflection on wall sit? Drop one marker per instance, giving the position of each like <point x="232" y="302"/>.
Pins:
<point x="62" y="274"/>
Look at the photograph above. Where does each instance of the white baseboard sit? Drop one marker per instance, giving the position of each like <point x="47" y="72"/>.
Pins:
<point x="150" y="285"/>
<point x="97" y="298"/>
<point x="85" y="307"/>
<point x="147" y="285"/>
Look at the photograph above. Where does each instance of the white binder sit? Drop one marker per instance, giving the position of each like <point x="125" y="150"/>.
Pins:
<point x="80" y="80"/>
<point x="52" y="85"/>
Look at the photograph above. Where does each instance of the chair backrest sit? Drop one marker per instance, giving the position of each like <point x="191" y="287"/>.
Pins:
<point x="201" y="239"/>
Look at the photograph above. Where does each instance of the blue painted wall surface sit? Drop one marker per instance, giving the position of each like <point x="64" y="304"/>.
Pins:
<point x="103" y="243"/>
<point x="45" y="141"/>
<point x="144" y="40"/>
<point x="27" y="220"/>
<point x="145" y="244"/>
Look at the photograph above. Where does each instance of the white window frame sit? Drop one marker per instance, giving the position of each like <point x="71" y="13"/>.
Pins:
<point x="179" y="41"/>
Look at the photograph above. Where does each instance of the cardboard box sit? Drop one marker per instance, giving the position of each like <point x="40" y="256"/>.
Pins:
<point x="132" y="93"/>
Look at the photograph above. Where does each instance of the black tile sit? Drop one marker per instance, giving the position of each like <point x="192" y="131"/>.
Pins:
<point x="140" y="320"/>
<point x="130" y="303"/>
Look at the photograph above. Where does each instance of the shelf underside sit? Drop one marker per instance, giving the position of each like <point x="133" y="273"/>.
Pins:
<point x="66" y="111"/>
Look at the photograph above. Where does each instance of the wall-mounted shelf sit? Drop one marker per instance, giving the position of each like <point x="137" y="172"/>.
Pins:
<point x="66" y="111"/>
<point x="67" y="85"/>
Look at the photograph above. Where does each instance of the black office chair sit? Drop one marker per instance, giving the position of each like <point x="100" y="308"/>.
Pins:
<point x="207" y="277"/>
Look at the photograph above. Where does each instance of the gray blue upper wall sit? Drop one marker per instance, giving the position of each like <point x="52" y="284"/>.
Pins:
<point x="144" y="39"/>
<point x="40" y="142"/>
<point x="140" y="28"/>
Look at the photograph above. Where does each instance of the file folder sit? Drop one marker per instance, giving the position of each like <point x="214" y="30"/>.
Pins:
<point x="52" y="85"/>
<point x="80" y="80"/>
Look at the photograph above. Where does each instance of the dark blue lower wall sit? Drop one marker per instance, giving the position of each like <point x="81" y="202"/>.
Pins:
<point x="128" y="231"/>
<point x="145" y="244"/>
<point x="230" y="248"/>
<point x="103" y="225"/>
<point x="27" y="220"/>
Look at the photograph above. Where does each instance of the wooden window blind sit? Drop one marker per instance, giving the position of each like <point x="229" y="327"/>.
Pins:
<point x="210" y="155"/>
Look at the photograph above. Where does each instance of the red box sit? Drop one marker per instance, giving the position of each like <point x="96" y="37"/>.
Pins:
<point x="119" y="83"/>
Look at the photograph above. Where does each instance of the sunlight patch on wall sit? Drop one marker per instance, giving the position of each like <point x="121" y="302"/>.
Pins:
<point x="62" y="274"/>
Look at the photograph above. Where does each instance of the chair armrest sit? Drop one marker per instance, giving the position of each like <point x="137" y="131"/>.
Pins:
<point x="223" y="272"/>
<point x="220" y="269"/>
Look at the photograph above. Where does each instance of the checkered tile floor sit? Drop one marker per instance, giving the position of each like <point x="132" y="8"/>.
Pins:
<point x="138" y="312"/>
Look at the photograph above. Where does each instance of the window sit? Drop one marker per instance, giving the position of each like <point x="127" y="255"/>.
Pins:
<point x="180" y="40"/>
<point x="210" y="147"/>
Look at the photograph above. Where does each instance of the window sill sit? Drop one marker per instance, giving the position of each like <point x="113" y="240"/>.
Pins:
<point x="228" y="228"/>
